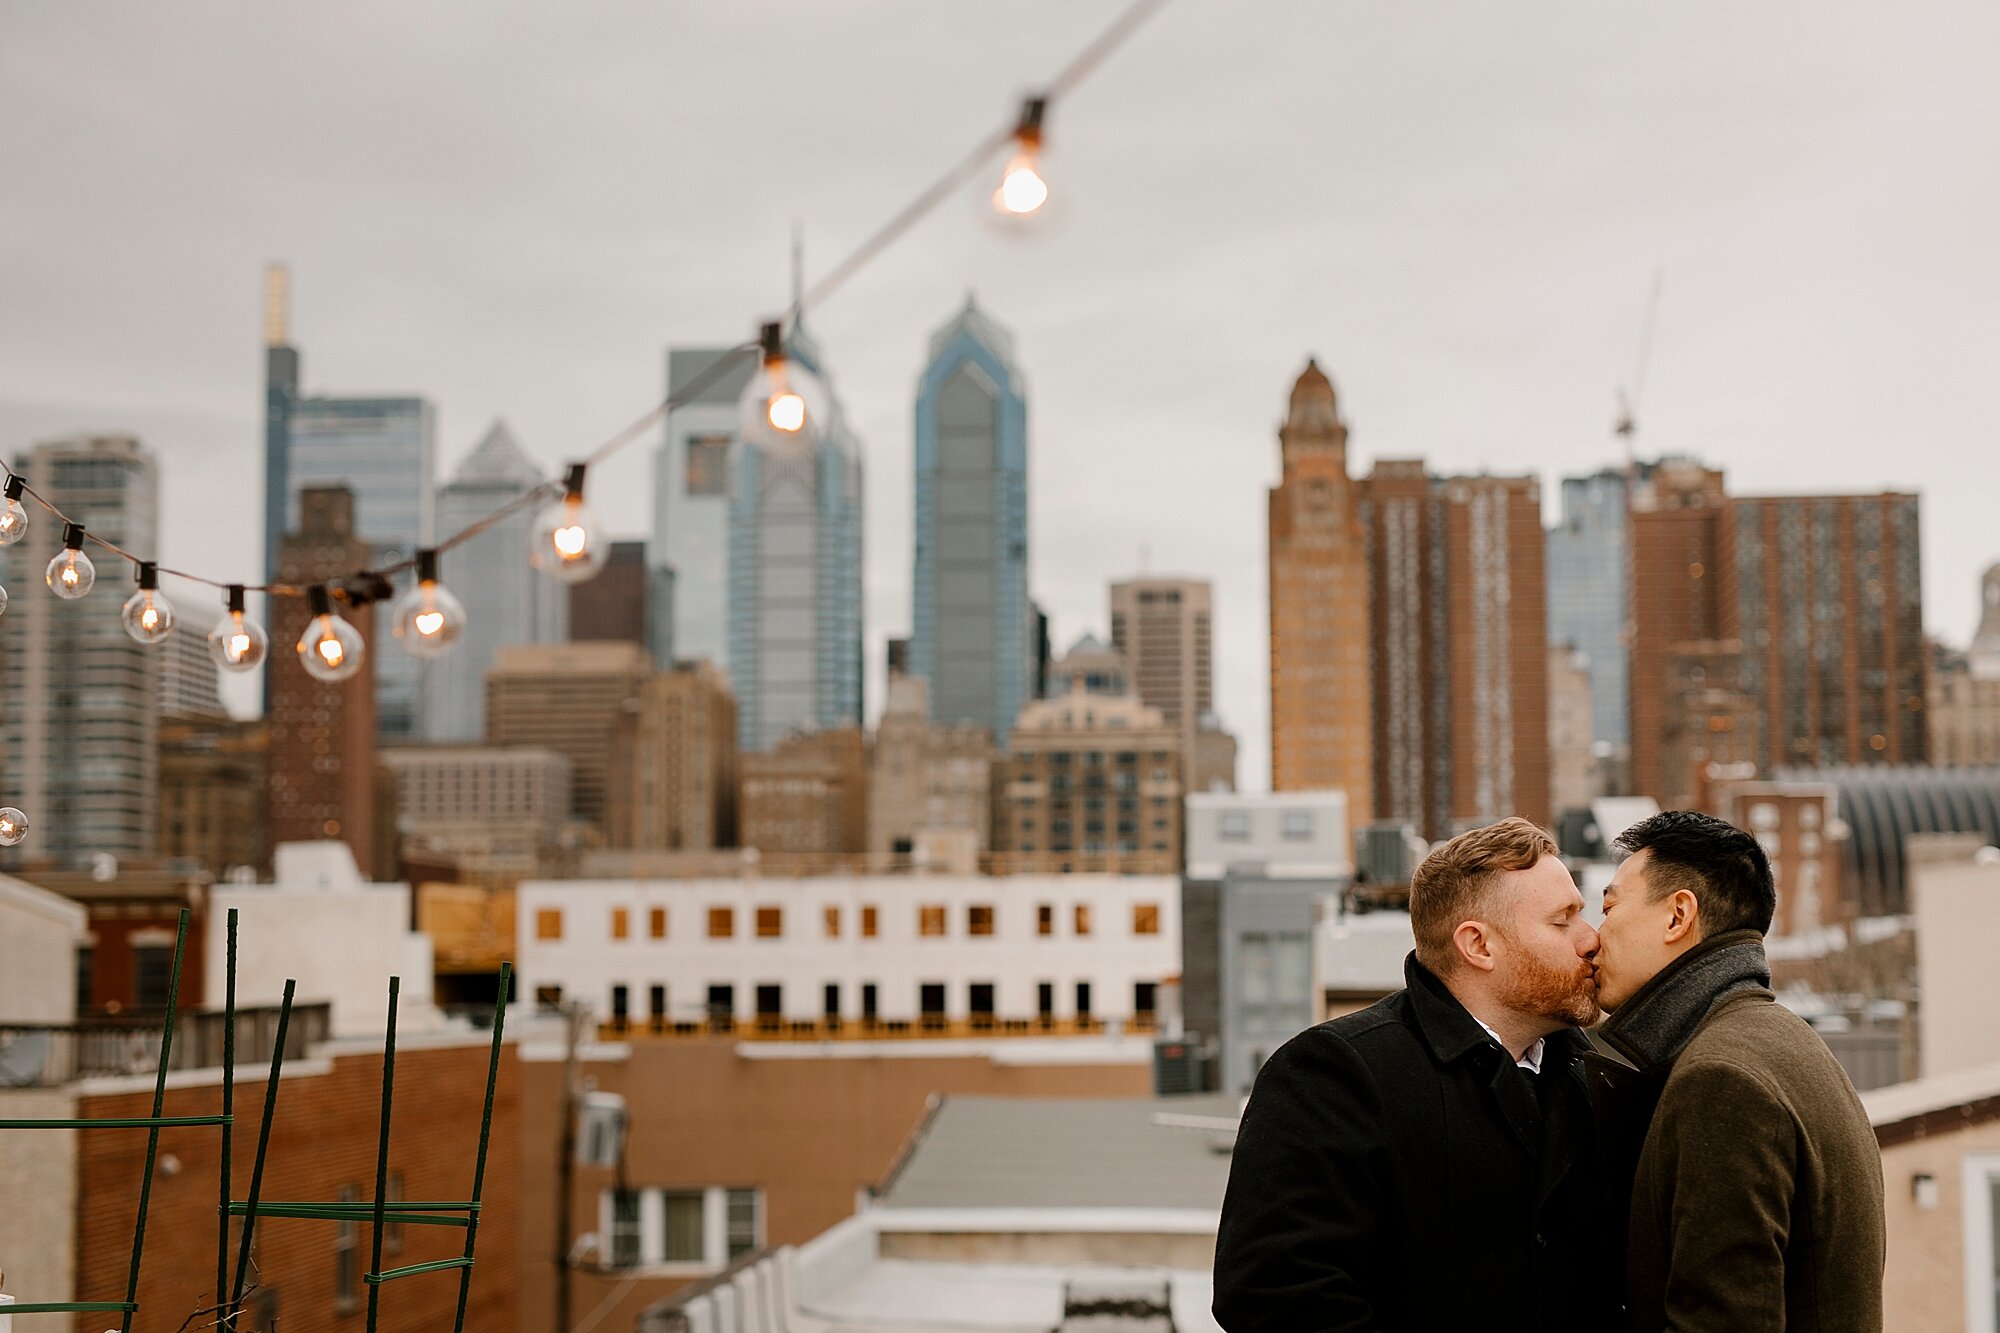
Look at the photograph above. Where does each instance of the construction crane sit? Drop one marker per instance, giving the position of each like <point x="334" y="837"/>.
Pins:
<point x="1628" y="402"/>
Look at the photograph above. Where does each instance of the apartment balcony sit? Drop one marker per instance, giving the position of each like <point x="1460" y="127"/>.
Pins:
<point x="52" y="1055"/>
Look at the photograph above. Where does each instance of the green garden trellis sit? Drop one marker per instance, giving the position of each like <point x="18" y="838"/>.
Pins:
<point x="453" y="1213"/>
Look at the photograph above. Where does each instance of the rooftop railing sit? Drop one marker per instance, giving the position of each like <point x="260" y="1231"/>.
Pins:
<point x="51" y="1055"/>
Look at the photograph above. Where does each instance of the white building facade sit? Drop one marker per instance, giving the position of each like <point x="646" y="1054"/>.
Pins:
<point x="893" y="949"/>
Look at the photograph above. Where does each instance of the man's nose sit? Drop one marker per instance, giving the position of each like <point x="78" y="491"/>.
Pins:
<point x="1588" y="943"/>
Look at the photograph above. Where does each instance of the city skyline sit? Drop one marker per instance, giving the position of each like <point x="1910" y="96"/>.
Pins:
<point x="1801" y="309"/>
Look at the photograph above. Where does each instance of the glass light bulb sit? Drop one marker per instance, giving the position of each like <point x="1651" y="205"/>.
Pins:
<point x="784" y="405"/>
<point x="13" y="523"/>
<point x="238" y="643"/>
<point x="147" y="616"/>
<point x="13" y="826"/>
<point x="3" y="601"/>
<point x="566" y="543"/>
<point x="331" y="649"/>
<point x="1022" y="190"/>
<point x="71" y="574"/>
<point x="428" y="619"/>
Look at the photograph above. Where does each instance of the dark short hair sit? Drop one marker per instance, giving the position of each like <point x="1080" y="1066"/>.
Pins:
<point x="1721" y="865"/>
<point x="1450" y="885"/>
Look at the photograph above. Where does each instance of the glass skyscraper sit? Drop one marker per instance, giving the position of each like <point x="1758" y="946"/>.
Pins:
<point x="79" y="737"/>
<point x="694" y="473"/>
<point x="506" y="600"/>
<point x="1587" y="597"/>
<point x="973" y="626"/>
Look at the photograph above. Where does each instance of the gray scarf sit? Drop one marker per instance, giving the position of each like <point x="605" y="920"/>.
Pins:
<point x="1657" y="1023"/>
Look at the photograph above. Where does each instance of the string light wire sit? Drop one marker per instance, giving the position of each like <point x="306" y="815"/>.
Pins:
<point x="366" y="585"/>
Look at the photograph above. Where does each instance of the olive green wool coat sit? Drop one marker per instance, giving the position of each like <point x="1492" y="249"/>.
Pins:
<point x="1757" y="1204"/>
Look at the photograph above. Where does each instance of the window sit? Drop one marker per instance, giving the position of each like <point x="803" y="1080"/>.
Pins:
<point x="1045" y="999"/>
<point x="770" y="1000"/>
<point x="1145" y="999"/>
<point x="1083" y="999"/>
<point x="1296" y="826"/>
<point x="833" y="923"/>
<point x="1045" y="919"/>
<point x="744" y="1214"/>
<point x="548" y="923"/>
<point x="979" y="999"/>
<point x="979" y="919"/>
<point x="1083" y="918"/>
<point x="721" y="923"/>
<point x="721" y="1005"/>
<point x="624" y="1228"/>
<point x="868" y="923"/>
<point x="831" y="1008"/>
<point x="84" y="955"/>
<point x="708" y="465"/>
<point x="930" y="920"/>
<point x="152" y="975"/>
<point x="347" y="1258"/>
<point x="1145" y="918"/>
<point x="870" y="1006"/>
<point x="656" y="1002"/>
<point x="1234" y="826"/>
<point x="621" y="923"/>
<point x="770" y="923"/>
<point x="683" y="1227"/>
<point x="930" y="999"/>
<point x="656" y="923"/>
<point x="548" y="997"/>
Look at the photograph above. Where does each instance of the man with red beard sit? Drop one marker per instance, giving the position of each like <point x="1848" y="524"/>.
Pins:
<point x="1427" y="1163"/>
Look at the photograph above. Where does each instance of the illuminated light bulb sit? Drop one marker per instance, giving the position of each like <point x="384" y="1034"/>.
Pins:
<point x="70" y="574"/>
<point x="783" y="405"/>
<point x="13" y="517"/>
<point x="1023" y="189"/>
<point x="3" y="601"/>
<point x="566" y="543"/>
<point x="13" y="826"/>
<point x="330" y="649"/>
<point x="148" y="617"/>
<point x="238" y="643"/>
<point x="427" y="618"/>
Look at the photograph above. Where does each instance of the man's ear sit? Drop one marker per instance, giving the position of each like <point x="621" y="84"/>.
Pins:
<point x="1474" y="942"/>
<point x="1684" y="926"/>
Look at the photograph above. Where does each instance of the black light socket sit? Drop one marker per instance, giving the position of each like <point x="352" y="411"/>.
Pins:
<point x="15" y="485"/>
<point x="1030" y="127"/>
<point x="236" y="599"/>
<point x="72" y="536"/>
<point x="321" y="599"/>
<point x="149" y="574"/>
<point x="573" y="481"/>
<point x="427" y="566"/>
<point x="771" y="338"/>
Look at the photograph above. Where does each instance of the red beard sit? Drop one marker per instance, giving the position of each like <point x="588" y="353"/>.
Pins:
<point x="1568" y="995"/>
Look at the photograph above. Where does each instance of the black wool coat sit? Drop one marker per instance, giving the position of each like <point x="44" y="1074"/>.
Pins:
<point x="1396" y="1173"/>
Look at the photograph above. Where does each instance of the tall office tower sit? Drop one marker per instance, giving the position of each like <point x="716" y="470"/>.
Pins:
<point x="1586" y="597"/>
<point x="1321" y="729"/>
<point x="1826" y="595"/>
<point x="79" y="735"/>
<point x="1459" y="647"/>
<point x="1573" y="768"/>
<point x="1984" y="659"/>
<point x="568" y="697"/>
<point x="693" y="479"/>
<point x="1093" y="777"/>
<point x="1964" y="703"/>
<point x="322" y="736"/>
<point x="974" y="629"/>
<point x="281" y="395"/>
<point x="506" y="600"/>
<point x="674" y="778"/>
<point x="188" y="685"/>
<point x="380" y="449"/>
<point x="212" y="782"/>
<point x="1671" y="563"/>
<point x="1165" y="627"/>
<point x="613" y="605"/>
<point x="795" y="580"/>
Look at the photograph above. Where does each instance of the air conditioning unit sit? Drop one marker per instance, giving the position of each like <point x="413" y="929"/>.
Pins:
<point x="600" y="1129"/>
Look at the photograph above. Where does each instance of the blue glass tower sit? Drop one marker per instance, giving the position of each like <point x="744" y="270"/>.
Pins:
<point x="1586" y="580"/>
<point x="972" y="635"/>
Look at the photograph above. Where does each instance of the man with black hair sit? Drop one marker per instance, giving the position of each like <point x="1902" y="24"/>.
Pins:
<point x="1756" y="1184"/>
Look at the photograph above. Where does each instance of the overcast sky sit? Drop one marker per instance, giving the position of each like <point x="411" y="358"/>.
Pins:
<point x="515" y="208"/>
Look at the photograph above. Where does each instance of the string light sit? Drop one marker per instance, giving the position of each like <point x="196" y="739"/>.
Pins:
<point x="13" y="517"/>
<point x="147" y="615"/>
<point x="427" y="618"/>
<point x="330" y="649"/>
<point x="1023" y="189"/>
<point x="566" y="542"/>
<point x="238" y="643"/>
<point x="784" y="403"/>
<point x="70" y="575"/>
<point x="13" y="826"/>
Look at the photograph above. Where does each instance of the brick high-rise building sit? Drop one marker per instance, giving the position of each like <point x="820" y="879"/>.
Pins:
<point x="1321" y="730"/>
<point x="568" y="697"/>
<point x="322" y="737"/>
<point x="1826" y="594"/>
<point x="612" y="605"/>
<point x="809" y="796"/>
<point x="1459" y="654"/>
<point x="1672" y="549"/>
<point x="213" y="774"/>
<point x="924" y="776"/>
<point x="674" y="768"/>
